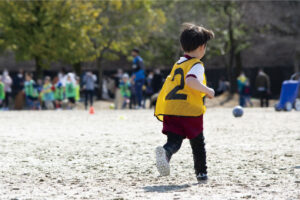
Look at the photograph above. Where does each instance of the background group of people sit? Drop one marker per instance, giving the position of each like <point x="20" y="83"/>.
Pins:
<point x="63" y="91"/>
<point x="262" y="85"/>
<point x="133" y="95"/>
<point x="132" y="91"/>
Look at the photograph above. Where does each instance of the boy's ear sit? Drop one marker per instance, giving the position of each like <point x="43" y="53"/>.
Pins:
<point x="202" y="47"/>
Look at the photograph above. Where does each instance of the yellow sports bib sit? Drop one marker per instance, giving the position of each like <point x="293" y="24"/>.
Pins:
<point x="176" y="98"/>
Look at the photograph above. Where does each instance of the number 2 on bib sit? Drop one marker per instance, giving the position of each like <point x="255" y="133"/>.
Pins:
<point x="173" y="95"/>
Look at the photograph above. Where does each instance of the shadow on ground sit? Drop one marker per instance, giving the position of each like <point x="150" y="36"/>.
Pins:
<point x="165" y="188"/>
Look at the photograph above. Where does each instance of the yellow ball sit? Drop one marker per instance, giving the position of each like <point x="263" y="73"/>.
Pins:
<point x="112" y="106"/>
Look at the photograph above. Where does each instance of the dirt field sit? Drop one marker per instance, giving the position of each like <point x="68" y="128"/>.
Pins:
<point x="110" y="155"/>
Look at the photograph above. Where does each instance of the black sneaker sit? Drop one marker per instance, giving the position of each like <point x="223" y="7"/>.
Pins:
<point x="202" y="177"/>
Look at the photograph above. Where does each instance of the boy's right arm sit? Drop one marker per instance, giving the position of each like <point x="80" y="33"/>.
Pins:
<point x="194" y="83"/>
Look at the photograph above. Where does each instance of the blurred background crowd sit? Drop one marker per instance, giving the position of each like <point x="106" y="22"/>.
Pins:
<point x="72" y="51"/>
<point x="66" y="89"/>
<point x="135" y="89"/>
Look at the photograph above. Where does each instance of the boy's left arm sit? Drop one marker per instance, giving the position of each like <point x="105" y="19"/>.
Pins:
<point x="194" y="80"/>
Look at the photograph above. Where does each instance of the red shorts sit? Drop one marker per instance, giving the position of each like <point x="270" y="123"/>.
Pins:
<point x="188" y="127"/>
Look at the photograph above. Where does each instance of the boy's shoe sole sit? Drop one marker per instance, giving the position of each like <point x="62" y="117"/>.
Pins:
<point x="162" y="163"/>
<point x="201" y="177"/>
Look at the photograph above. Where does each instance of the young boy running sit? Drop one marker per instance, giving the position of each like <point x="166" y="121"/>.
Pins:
<point x="180" y="102"/>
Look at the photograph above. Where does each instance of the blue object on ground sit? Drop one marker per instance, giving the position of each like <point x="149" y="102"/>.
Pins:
<point x="289" y="92"/>
<point x="237" y="111"/>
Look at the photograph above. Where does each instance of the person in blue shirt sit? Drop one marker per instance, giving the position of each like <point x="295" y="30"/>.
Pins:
<point x="138" y="76"/>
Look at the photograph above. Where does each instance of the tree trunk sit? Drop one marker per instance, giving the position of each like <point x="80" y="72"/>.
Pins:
<point x="231" y="75"/>
<point x="238" y="63"/>
<point x="38" y="68"/>
<point x="77" y="68"/>
<point x="100" y="77"/>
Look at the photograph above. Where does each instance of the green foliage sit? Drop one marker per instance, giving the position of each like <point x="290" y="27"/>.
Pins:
<point x="126" y="24"/>
<point x="49" y="30"/>
<point x="228" y="21"/>
<point x="163" y="47"/>
<point x="223" y="17"/>
<point x="232" y="36"/>
<point x="74" y="43"/>
<point x="75" y="31"/>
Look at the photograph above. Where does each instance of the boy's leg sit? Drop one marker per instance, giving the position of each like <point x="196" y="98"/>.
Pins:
<point x="173" y="144"/>
<point x="199" y="154"/>
<point x="164" y="154"/>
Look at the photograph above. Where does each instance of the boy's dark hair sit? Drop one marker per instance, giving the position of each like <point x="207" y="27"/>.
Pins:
<point x="194" y="36"/>
<point x="136" y="50"/>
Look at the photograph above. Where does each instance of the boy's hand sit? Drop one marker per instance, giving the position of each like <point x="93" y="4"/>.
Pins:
<point x="211" y="93"/>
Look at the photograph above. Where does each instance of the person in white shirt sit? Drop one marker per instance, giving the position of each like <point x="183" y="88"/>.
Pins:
<point x="6" y="79"/>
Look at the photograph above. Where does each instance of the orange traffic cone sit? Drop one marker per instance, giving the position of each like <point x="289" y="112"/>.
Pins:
<point x="92" y="111"/>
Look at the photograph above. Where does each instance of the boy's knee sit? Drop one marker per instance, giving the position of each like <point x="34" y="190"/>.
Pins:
<point x="197" y="140"/>
<point x="175" y="137"/>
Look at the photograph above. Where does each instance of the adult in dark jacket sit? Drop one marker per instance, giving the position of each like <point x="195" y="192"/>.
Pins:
<point x="18" y="82"/>
<point x="263" y="85"/>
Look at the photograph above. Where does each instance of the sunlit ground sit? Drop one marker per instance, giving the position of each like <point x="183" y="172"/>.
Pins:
<point x="110" y="155"/>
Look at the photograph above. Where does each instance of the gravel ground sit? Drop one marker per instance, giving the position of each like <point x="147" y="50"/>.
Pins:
<point x="110" y="155"/>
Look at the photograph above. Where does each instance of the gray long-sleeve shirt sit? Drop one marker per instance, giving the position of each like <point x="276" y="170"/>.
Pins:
<point x="89" y="81"/>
